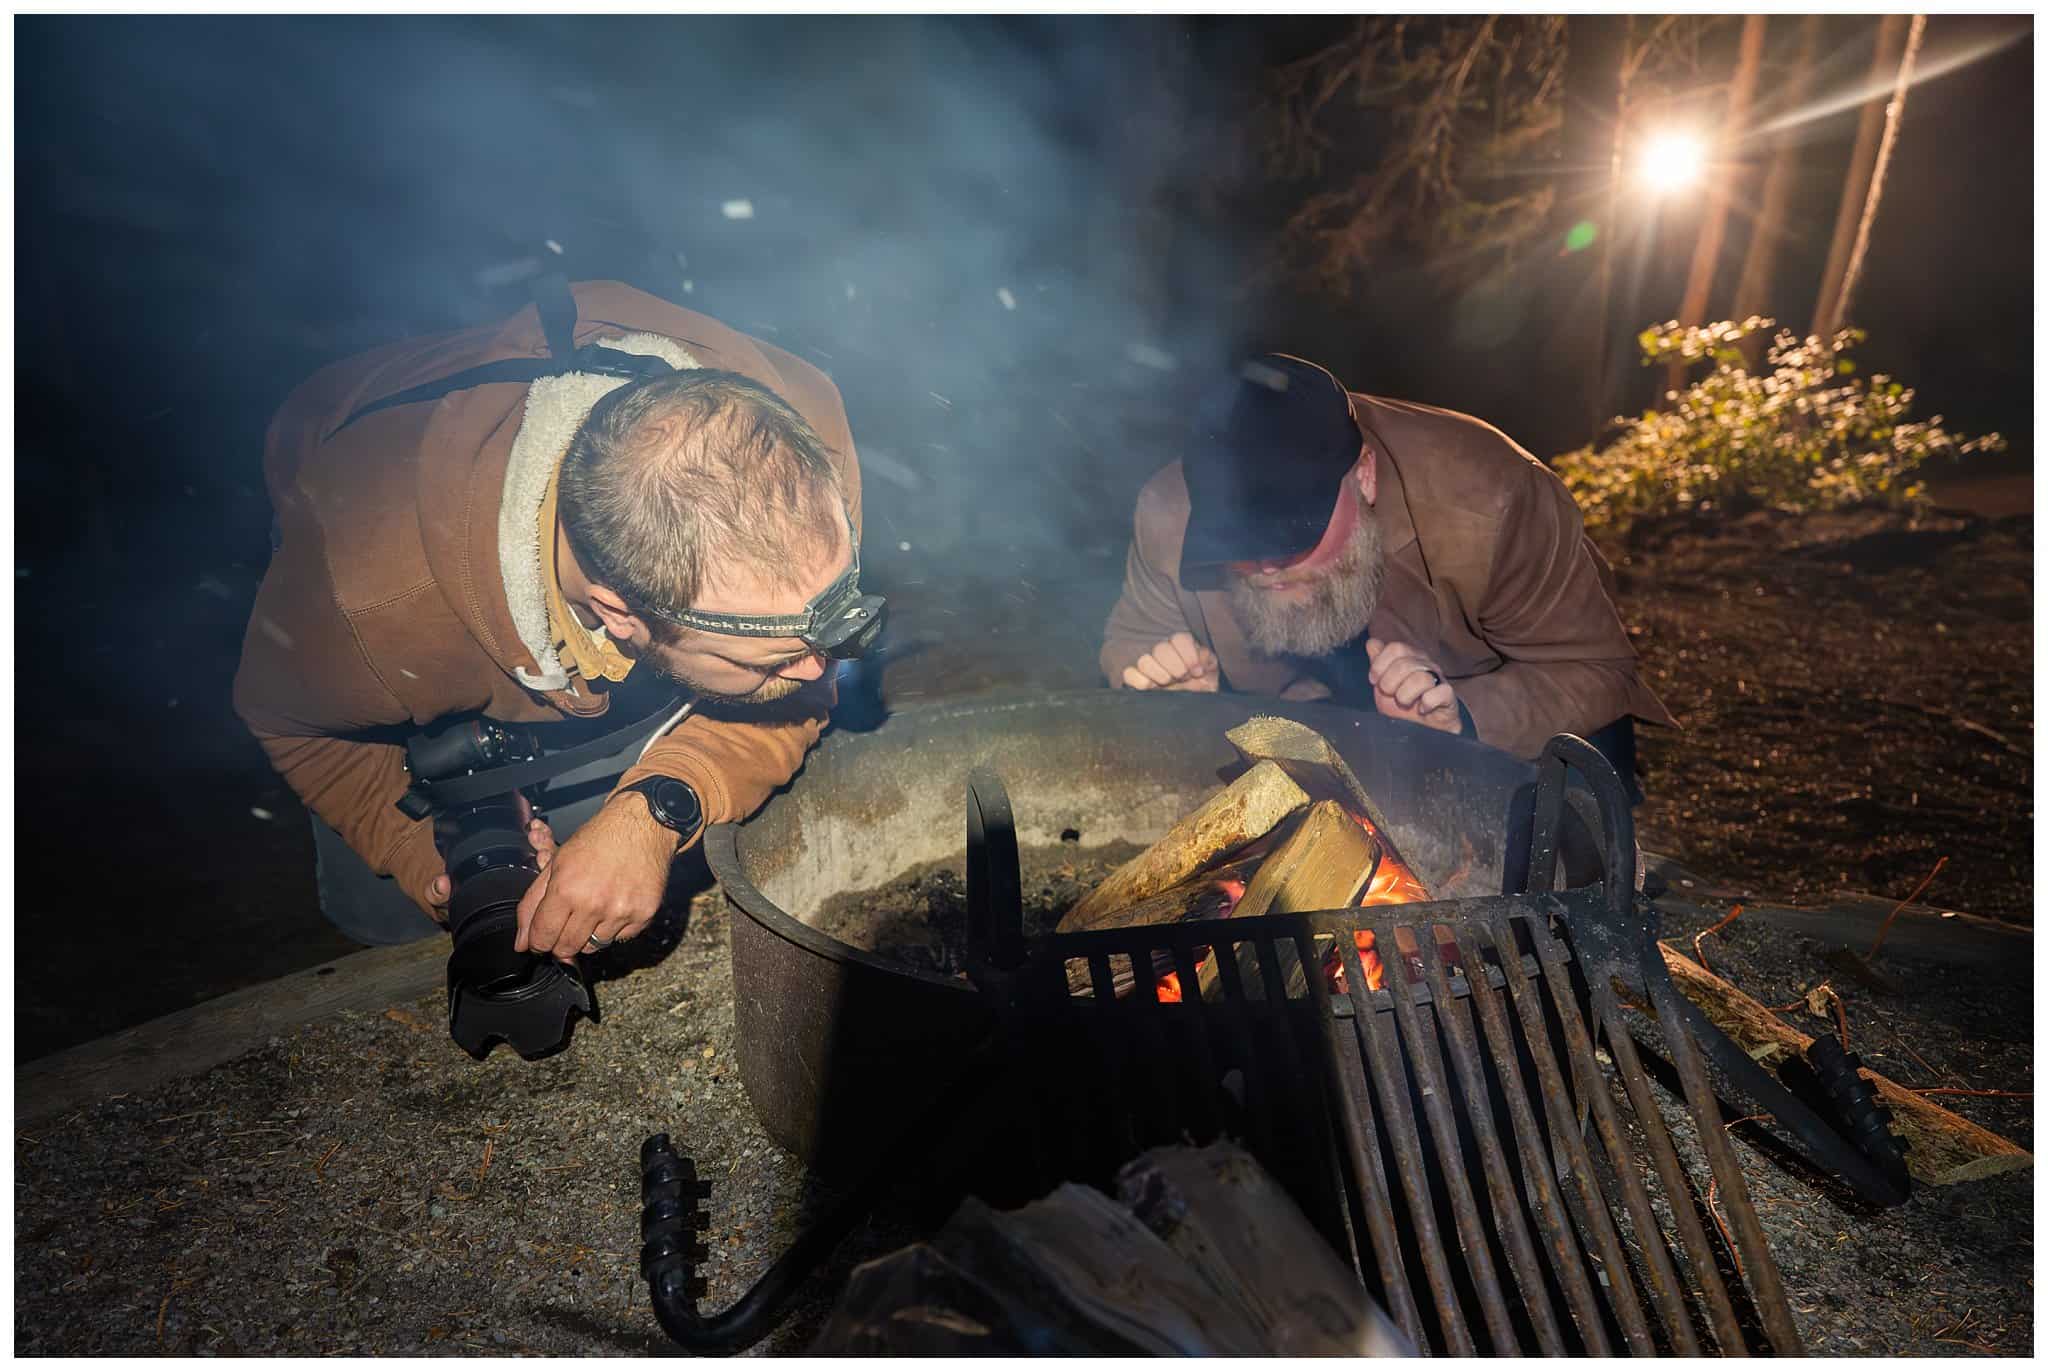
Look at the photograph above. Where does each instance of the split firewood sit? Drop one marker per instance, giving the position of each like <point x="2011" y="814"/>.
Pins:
<point x="1245" y="810"/>
<point x="1942" y="1148"/>
<point x="1206" y="895"/>
<point x="1324" y="864"/>
<point x="1305" y="755"/>
<point x="1218" y="1261"/>
<point x="1248" y="1240"/>
<point x="1071" y="1275"/>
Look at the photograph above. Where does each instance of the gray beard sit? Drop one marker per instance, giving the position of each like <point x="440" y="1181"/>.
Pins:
<point x="1337" y="609"/>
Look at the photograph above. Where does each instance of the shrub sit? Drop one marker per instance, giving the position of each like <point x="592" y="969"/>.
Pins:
<point x="1803" y="433"/>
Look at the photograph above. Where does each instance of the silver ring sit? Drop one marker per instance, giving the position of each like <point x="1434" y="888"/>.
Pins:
<point x="1435" y="676"/>
<point x="593" y="944"/>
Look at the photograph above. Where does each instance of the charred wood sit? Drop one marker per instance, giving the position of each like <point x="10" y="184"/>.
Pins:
<point x="1942" y="1148"/>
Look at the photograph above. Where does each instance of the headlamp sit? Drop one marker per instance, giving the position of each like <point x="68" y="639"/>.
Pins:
<point x="839" y="622"/>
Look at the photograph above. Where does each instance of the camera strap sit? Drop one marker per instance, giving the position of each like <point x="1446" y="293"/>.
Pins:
<point x="426" y="796"/>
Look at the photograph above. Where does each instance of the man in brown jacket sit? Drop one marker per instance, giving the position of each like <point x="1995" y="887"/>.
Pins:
<point x="1319" y="544"/>
<point x="513" y="549"/>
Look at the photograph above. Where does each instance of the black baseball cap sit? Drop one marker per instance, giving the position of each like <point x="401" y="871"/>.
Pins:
<point x="1265" y="460"/>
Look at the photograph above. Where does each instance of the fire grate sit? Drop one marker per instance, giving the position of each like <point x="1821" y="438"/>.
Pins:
<point x="1479" y="1135"/>
<point x="1434" y="1129"/>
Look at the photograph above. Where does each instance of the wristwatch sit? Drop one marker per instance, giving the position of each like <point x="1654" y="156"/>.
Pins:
<point x="673" y="804"/>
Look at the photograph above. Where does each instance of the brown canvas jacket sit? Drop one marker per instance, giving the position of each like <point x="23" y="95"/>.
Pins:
<point x="384" y="607"/>
<point x="1489" y="570"/>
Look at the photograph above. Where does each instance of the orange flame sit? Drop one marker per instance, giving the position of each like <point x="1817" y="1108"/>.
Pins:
<point x="1393" y="883"/>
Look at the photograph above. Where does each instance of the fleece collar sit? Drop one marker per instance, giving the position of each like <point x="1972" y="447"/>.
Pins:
<point x="556" y="407"/>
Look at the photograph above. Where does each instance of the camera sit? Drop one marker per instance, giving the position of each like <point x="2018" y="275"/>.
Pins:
<point x="495" y="994"/>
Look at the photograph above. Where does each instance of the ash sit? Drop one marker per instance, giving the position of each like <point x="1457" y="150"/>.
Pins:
<point x="920" y="918"/>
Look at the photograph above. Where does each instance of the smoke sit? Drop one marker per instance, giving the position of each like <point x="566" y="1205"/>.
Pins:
<point x="979" y="227"/>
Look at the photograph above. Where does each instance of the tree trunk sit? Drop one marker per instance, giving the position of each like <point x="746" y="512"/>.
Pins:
<point x="1760" y="263"/>
<point x="1724" y="180"/>
<point x="1891" y="35"/>
<point x="1894" y="112"/>
<point x="1591" y="135"/>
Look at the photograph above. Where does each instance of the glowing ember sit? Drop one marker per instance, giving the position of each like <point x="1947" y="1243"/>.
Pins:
<point x="1392" y="883"/>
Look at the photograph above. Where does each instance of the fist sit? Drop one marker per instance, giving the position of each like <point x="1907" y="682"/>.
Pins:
<point x="1175" y="664"/>
<point x="1408" y="686"/>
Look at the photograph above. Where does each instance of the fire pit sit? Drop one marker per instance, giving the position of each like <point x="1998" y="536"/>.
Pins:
<point x="1349" y="1096"/>
<point x="838" y="1045"/>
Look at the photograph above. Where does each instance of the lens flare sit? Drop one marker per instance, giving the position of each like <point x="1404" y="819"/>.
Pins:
<point x="1671" y="162"/>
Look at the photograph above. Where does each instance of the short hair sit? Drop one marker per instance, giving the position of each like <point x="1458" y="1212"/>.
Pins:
<point x="673" y="475"/>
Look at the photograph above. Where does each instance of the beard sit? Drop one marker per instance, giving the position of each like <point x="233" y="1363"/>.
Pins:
<point x="774" y="688"/>
<point x="1328" y="611"/>
<point x="770" y="690"/>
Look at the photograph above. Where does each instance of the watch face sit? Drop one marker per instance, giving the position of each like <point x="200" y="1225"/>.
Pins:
<point x="677" y="803"/>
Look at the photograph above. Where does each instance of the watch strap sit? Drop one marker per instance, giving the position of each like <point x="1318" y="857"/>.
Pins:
<point x="645" y="787"/>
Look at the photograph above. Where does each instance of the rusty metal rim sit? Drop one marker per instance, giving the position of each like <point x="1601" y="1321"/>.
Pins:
<point x="721" y="841"/>
<point x="721" y="850"/>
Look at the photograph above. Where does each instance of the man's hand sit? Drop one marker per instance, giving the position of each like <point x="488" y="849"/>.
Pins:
<point x="1175" y="664"/>
<point x="605" y="883"/>
<point x="537" y="833"/>
<point x="1408" y="686"/>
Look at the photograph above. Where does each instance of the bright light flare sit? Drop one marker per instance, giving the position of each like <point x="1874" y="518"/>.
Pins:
<point x="1671" y="163"/>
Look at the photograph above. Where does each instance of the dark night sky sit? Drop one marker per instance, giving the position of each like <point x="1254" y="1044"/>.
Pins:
<point x="244" y="199"/>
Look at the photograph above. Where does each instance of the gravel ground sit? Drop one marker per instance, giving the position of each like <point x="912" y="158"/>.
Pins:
<point x="362" y="1187"/>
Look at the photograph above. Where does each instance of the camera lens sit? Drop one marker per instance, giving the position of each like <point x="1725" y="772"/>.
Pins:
<point x="497" y="994"/>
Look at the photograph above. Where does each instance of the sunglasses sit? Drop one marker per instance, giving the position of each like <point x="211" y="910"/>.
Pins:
<point x="839" y="622"/>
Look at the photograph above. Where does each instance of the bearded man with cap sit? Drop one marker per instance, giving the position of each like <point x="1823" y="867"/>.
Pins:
<point x="1314" y="543"/>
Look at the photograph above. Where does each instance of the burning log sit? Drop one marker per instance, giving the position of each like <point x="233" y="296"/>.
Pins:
<point x="1212" y="895"/>
<point x="1324" y="865"/>
<point x="1338" y="855"/>
<point x="1331" y="861"/>
<point x="1242" y="812"/>
<point x="1942" y="1148"/>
